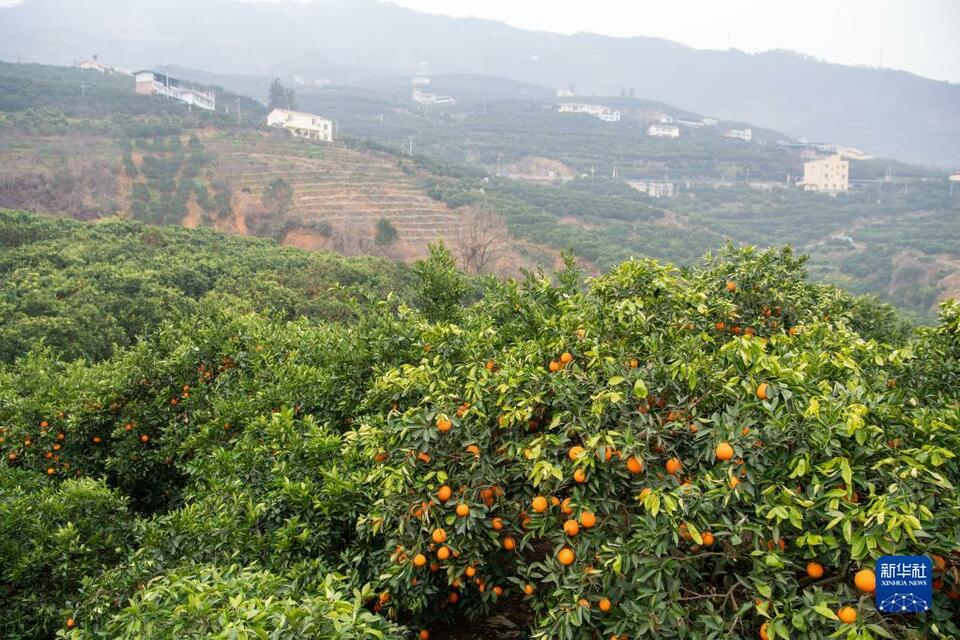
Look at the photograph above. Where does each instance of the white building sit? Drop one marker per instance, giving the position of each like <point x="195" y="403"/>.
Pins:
<point x="693" y="124"/>
<point x="596" y="110"/>
<point x="564" y="93"/>
<point x="653" y="188"/>
<point x="826" y="175"/>
<point x="307" y="126"/>
<point x="430" y="98"/>
<point x="152" y="83"/>
<point x="666" y="118"/>
<point x="663" y="131"/>
<point x="710" y="121"/>
<point x="955" y="177"/>
<point x="740" y="134"/>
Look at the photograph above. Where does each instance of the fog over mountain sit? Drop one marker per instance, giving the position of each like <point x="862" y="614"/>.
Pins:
<point x="888" y="113"/>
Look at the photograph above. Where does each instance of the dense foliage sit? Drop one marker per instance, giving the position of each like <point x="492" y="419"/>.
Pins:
<point x="85" y="289"/>
<point x="556" y="446"/>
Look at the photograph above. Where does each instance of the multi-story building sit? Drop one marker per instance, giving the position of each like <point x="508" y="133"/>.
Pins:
<point x="152" y="83"/>
<point x="596" y="110"/>
<point x="307" y="126"/>
<point x="740" y="134"/>
<point x="653" y="188"/>
<point x="663" y="131"/>
<point x="826" y="175"/>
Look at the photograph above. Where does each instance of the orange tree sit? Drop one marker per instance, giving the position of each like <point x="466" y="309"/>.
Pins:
<point x="706" y="453"/>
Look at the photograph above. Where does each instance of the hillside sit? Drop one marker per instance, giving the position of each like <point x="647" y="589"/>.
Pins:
<point x="887" y="113"/>
<point x="895" y="235"/>
<point x="692" y="452"/>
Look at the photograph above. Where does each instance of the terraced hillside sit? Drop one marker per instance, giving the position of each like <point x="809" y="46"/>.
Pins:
<point x="339" y="194"/>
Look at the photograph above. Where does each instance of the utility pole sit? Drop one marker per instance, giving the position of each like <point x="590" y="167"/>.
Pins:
<point x="238" y="109"/>
<point x="411" y="147"/>
<point x="381" y="121"/>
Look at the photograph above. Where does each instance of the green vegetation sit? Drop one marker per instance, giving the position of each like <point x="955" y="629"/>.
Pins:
<point x="48" y="99"/>
<point x="250" y="465"/>
<point x="85" y="289"/>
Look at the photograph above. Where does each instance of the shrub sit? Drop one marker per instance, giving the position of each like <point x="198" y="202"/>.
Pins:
<point x="51" y="537"/>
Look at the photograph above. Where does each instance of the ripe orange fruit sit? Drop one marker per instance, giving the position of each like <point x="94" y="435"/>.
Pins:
<point x="604" y="604"/>
<point x="939" y="564"/>
<point x="763" y="632"/>
<point x="575" y="452"/>
<point x="566" y="556"/>
<point x="762" y="391"/>
<point x="509" y="543"/>
<point x="491" y="365"/>
<point x="453" y="598"/>
<point x="470" y="571"/>
<point x="497" y="524"/>
<point x="565" y="506"/>
<point x="707" y="538"/>
<point x="443" y="553"/>
<point x="847" y="615"/>
<point x="634" y="465"/>
<point x="580" y="476"/>
<point x="444" y="493"/>
<point x="734" y="481"/>
<point x="865" y="580"/>
<point x="498" y="590"/>
<point x="554" y="366"/>
<point x="71" y="623"/>
<point x="439" y="536"/>
<point x="540" y="504"/>
<point x="587" y="519"/>
<point x="424" y="634"/>
<point x="731" y="286"/>
<point x="571" y="528"/>
<point x="144" y="438"/>
<point x="566" y="357"/>
<point x="443" y="424"/>
<point x="815" y="570"/>
<point x="474" y="449"/>
<point x="419" y="560"/>
<point x="528" y="589"/>
<point x="463" y="510"/>
<point x="51" y="471"/>
<point x="12" y="456"/>
<point x="554" y="501"/>
<point x="724" y="451"/>
<point x="384" y="597"/>
<point x="423" y="457"/>
<point x="673" y="466"/>
<point x="97" y="439"/>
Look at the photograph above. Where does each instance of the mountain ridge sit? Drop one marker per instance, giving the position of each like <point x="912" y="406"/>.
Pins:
<point x="885" y="112"/>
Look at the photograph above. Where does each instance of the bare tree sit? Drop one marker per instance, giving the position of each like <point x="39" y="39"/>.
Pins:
<point x="480" y="242"/>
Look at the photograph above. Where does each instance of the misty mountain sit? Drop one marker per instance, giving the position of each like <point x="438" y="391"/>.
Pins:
<point x="889" y="113"/>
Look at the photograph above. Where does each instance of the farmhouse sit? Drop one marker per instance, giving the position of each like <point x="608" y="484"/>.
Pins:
<point x="740" y="134"/>
<point x="653" y="188"/>
<point x="306" y="126"/>
<point x="826" y="175"/>
<point x="152" y="83"/>
<point x="663" y="131"/>
<point x="421" y="97"/>
<point x="596" y="110"/>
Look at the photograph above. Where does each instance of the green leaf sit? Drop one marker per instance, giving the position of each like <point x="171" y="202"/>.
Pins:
<point x="825" y="611"/>
<point x="640" y="389"/>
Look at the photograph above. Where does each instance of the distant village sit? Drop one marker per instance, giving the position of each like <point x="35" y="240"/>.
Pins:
<point x="826" y="168"/>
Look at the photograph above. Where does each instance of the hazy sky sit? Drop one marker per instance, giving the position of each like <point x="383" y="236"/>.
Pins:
<point x="916" y="35"/>
<point x="922" y="36"/>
